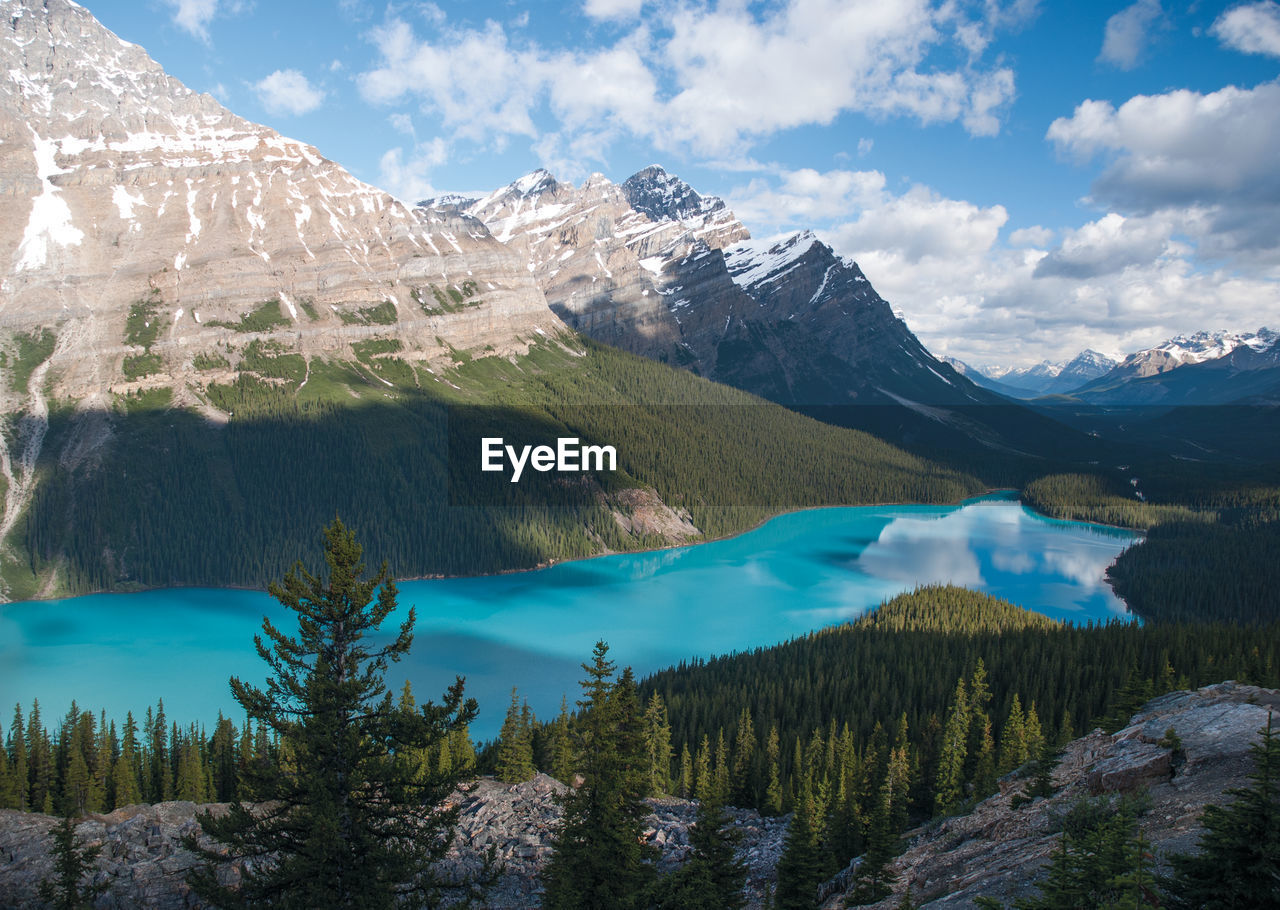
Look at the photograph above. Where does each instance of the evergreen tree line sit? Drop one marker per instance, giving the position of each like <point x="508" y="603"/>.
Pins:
<point x="91" y="764"/>
<point x="1209" y="551"/>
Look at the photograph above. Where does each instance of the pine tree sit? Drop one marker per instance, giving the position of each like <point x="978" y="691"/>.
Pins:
<point x="104" y="757"/>
<point x="515" y="745"/>
<point x="8" y="786"/>
<point x="348" y="826"/>
<point x="40" y="762"/>
<point x="951" y="761"/>
<point x="876" y="875"/>
<point x="744" y="746"/>
<point x="1239" y="860"/>
<point x="984" y="772"/>
<point x="702" y="779"/>
<point x="713" y="876"/>
<point x="720" y="777"/>
<point x="686" y="773"/>
<point x="67" y="890"/>
<point x="600" y="860"/>
<point x="802" y="864"/>
<point x="124" y="771"/>
<point x="773" y="792"/>
<point x="1013" y="739"/>
<point x="18" y="758"/>
<point x="657" y="742"/>
<point x="562" y="745"/>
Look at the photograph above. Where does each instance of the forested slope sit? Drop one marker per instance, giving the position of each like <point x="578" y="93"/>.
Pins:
<point x="170" y="497"/>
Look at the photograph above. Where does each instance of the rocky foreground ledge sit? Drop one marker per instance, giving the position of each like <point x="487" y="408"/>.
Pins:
<point x="1000" y="852"/>
<point x="996" y="850"/>
<point x="145" y="865"/>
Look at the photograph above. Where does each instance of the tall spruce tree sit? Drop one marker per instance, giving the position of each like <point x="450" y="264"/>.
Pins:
<point x="515" y="745"/>
<point x="67" y="889"/>
<point x="600" y="860"/>
<point x="713" y="876"/>
<point x="657" y="742"/>
<point x="803" y="864"/>
<point x="1239" y="860"/>
<point x="346" y="821"/>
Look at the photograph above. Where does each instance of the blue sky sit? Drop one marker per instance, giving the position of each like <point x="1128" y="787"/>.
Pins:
<point x="1020" y="180"/>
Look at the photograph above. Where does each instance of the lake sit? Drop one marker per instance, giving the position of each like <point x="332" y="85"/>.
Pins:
<point x="798" y="572"/>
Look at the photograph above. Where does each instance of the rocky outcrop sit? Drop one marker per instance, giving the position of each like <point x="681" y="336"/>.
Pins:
<point x="145" y="865"/>
<point x="999" y="851"/>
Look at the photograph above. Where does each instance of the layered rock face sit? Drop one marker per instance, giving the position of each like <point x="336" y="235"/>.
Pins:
<point x="653" y="267"/>
<point x="1001" y="852"/>
<point x="122" y="185"/>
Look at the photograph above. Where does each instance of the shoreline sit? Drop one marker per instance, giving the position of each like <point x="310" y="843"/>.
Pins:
<point x="961" y="503"/>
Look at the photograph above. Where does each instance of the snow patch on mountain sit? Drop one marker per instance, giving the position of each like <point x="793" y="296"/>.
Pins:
<point x="755" y="262"/>
<point x="50" y="218"/>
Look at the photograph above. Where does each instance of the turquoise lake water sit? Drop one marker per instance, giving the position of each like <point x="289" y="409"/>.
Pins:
<point x="796" y="573"/>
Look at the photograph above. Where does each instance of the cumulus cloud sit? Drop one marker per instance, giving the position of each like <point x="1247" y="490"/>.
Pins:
<point x="706" y="79"/>
<point x="1119" y="282"/>
<point x="1253" y="28"/>
<point x="1209" y="157"/>
<point x="288" y="92"/>
<point x="194" y="16"/>
<point x="1128" y="32"/>
<point x="1109" y="245"/>
<point x="408" y="177"/>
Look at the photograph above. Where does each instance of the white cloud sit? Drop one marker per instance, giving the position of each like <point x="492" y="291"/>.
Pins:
<point x="409" y="179"/>
<point x="710" y="80"/>
<point x="921" y="225"/>
<point x="1119" y="282"/>
<point x="865" y="146"/>
<point x="1031" y="236"/>
<point x="1253" y="28"/>
<point x="1108" y="245"/>
<point x="612" y="9"/>
<point x="1128" y="32"/>
<point x="1209" y="158"/>
<point x="194" y="16"/>
<point x="401" y="123"/>
<point x="476" y="82"/>
<point x="288" y="92"/>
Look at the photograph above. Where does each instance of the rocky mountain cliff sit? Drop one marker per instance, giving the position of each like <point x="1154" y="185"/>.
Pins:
<point x="654" y="267"/>
<point x="125" y="188"/>
<point x="999" y="851"/>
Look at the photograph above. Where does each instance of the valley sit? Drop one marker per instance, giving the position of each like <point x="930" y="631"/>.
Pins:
<point x="876" y="609"/>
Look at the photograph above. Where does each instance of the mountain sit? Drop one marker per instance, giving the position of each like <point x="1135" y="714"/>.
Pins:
<point x="1199" y="369"/>
<point x="654" y="267"/>
<point x="128" y="188"/>
<point x="213" y="340"/>
<point x="1045" y="378"/>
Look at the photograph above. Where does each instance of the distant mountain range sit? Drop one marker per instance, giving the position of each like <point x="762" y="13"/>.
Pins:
<point x="1196" y="369"/>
